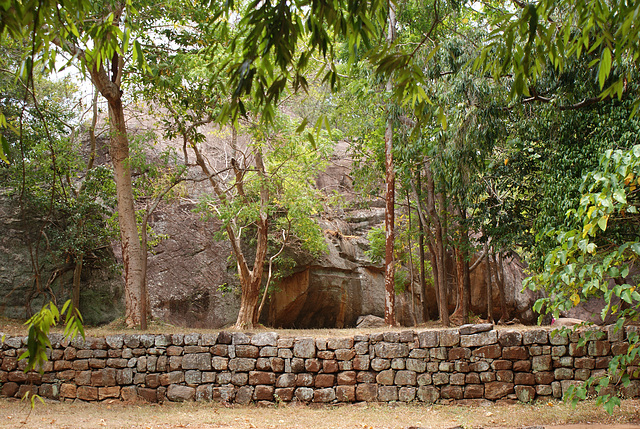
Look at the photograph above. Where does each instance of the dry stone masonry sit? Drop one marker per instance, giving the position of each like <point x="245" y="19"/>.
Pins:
<point x="471" y="363"/>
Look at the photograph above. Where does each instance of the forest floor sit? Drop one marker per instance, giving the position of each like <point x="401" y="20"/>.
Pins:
<point x="116" y="414"/>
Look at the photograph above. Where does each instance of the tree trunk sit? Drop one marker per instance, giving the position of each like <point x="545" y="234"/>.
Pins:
<point x="423" y="280"/>
<point x="131" y="249"/>
<point x="439" y="250"/>
<point x="499" y="270"/>
<point x="411" y="268"/>
<point x="488" y="281"/>
<point x="390" y="183"/>
<point x="77" y="273"/>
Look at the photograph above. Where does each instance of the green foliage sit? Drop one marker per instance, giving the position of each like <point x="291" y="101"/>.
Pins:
<point x="595" y="259"/>
<point x="39" y="326"/>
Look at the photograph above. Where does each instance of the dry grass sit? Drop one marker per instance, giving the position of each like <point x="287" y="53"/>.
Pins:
<point x="114" y="414"/>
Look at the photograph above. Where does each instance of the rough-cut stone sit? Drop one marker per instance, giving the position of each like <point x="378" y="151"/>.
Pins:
<point x="451" y="392"/>
<point x="304" y="394"/>
<point x="263" y="393"/>
<point x="244" y="395"/>
<point x="541" y="363"/>
<point x="428" y="339"/>
<point x="480" y="339"/>
<point x="284" y="394"/>
<point x="405" y="378"/>
<point x="497" y="390"/>
<point x="525" y="394"/>
<point x="378" y="364"/>
<point x="346" y="393"/>
<point x="391" y="350"/>
<point x="493" y="351"/>
<point x="201" y="361"/>
<point x="428" y="394"/>
<point x="515" y="353"/>
<point x="535" y="336"/>
<point x="265" y="339"/>
<point x="304" y="348"/>
<point x="387" y="393"/>
<point x="508" y="338"/>
<point x="475" y="328"/>
<point x="449" y="338"/>
<point x="324" y="395"/>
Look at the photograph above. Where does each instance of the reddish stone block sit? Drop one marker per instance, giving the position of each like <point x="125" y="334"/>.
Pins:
<point x="263" y="393"/>
<point x="459" y="353"/>
<point x="500" y="365"/>
<point x="346" y="393"/>
<point x="493" y="351"/>
<point x="544" y="377"/>
<point x="325" y="380"/>
<point x="108" y="392"/>
<point x="68" y="390"/>
<point x="9" y="389"/>
<point x="451" y="392"/>
<point x="497" y="390"/>
<point x="367" y="392"/>
<point x="87" y="393"/>
<point x="347" y="378"/>
<point x="259" y="377"/>
<point x="312" y="365"/>
<point x="473" y="391"/>
<point x="522" y="366"/>
<point x="515" y="353"/>
<point x="330" y="366"/>
<point x="284" y="394"/>
<point x="524" y="378"/>
<point x="149" y="395"/>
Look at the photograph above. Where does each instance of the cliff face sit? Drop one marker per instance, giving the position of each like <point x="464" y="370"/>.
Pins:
<point x="192" y="280"/>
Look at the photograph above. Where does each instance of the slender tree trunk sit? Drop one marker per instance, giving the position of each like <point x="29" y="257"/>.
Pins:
<point x="411" y="270"/>
<point x="423" y="280"/>
<point x="488" y="281"/>
<point x="131" y="250"/>
<point x="458" y="313"/>
<point x="439" y="246"/>
<point x="77" y="273"/>
<point x="499" y="270"/>
<point x="466" y="288"/>
<point x="390" y="183"/>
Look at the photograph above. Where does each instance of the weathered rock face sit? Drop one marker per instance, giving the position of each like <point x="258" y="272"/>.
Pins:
<point x="101" y="292"/>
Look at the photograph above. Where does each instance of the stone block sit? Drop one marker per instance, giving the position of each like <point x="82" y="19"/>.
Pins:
<point x="541" y="363"/>
<point x="470" y="329"/>
<point x="439" y="353"/>
<point x="406" y="378"/>
<point x="284" y="394"/>
<point x="544" y="390"/>
<point x="304" y="348"/>
<point x="522" y="366"/>
<point x="416" y="365"/>
<point x="473" y="391"/>
<point x="345" y="354"/>
<point x="479" y="340"/>
<point x="346" y="378"/>
<point x="367" y="392"/>
<point x="242" y="364"/>
<point x="304" y="394"/>
<point x="108" y="392"/>
<point x="268" y="351"/>
<point x="535" y="336"/>
<point x="446" y="367"/>
<point x="200" y="361"/>
<point x="450" y="338"/>
<point x="261" y="377"/>
<point x="326" y="354"/>
<point x="563" y="374"/>
<point x="324" y="395"/>
<point x="330" y="366"/>
<point x="10" y="388"/>
<point x="515" y="353"/>
<point x="525" y="378"/>
<point x="525" y="394"/>
<point x="457" y="353"/>
<point x="457" y="379"/>
<point x="87" y="393"/>
<point x="479" y="366"/>
<point x="239" y="378"/>
<point x="387" y="350"/>
<point x="263" y="339"/>
<point x="286" y="380"/>
<point x="472" y="378"/>
<point x="361" y="363"/>
<point x="505" y="376"/>
<point x="297" y="365"/>
<point x="191" y="376"/>
<point x="386" y="377"/>
<point x="497" y="390"/>
<point x="407" y="394"/>
<point x="312" y="365"/>
<point x="263" y="393"/>
<point x="428" y="394"/>
<point x="247" y="351"/>
<point x="339" y="343"/>
<point x="501" y="364"/>
<point x="451" y="392"/>
<point x="558" y="338"/>
<point x="440" y="378"/>
<point x="428" y="339"/>
<point x="244" y="395"/>
<point x="305" y="380"/>
<point x="387" y="393"/>
<point x="557" y="351"/>
<point x="508" y="338"/>
<point x="544" y="377"/>
<point x="493" y="351"/>
<point x="599" y="348"/>
<point x="366" y="377"/>
<point x="582" y="374"/>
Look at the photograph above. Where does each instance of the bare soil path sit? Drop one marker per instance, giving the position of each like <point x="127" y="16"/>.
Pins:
<point x="115" y="414"/>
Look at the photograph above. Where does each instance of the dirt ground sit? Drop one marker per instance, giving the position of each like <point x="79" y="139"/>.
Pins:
<point x="115" y="414"/>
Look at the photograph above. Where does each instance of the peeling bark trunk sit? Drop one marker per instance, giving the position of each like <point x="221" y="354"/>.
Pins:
<point x="390" y="183"/>
<point x="488" y="281"/>
<point x="131" y="248"/>
<point x="438" y="250"/>
<point x="77" y="273"/>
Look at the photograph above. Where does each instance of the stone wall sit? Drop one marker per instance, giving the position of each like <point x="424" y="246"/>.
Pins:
<point x="467" y="364"/>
